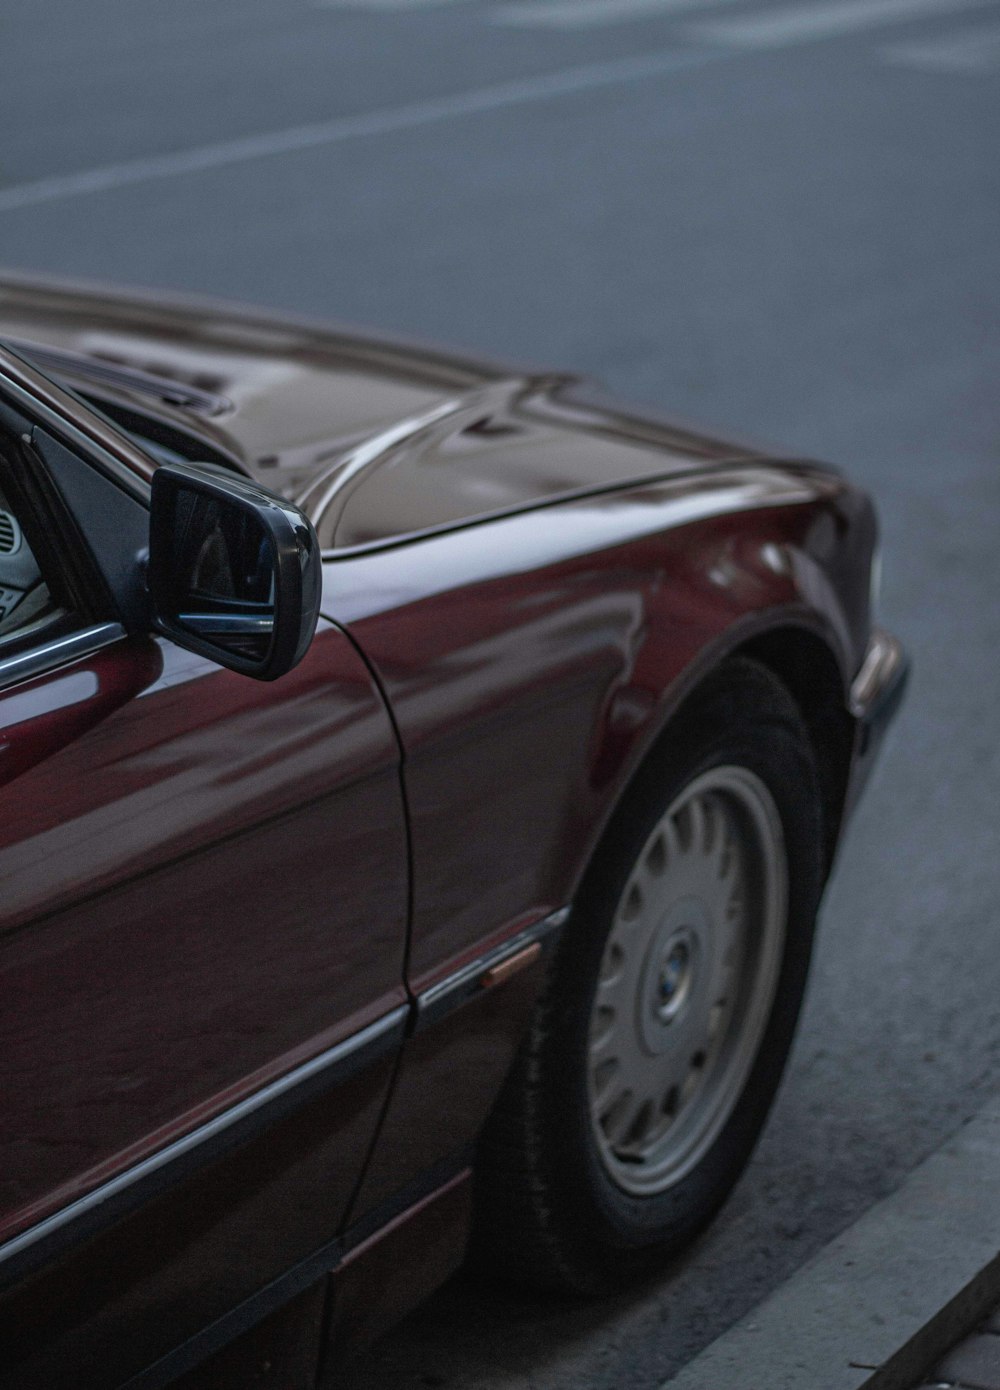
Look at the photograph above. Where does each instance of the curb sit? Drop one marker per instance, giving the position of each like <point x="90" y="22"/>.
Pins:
<point x="885" y="1299"/>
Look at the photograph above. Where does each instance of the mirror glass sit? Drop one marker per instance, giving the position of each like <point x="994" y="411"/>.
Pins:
<point x="222" y="574"/>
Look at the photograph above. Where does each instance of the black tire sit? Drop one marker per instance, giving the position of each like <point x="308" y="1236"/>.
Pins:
<point x="549" y="1213"/>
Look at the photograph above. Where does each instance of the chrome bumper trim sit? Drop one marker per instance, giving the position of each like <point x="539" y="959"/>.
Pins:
<point x="884" y="666"/>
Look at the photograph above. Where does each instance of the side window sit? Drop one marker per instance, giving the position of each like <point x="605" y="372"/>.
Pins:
<point x="25" y="600"/>
<point x="74" y="524"/>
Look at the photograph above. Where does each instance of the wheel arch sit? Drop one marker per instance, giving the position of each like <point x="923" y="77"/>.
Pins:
<point x="805" y="663"/>
<point x="521" y="1191"/>
<point x="808" y="670"/>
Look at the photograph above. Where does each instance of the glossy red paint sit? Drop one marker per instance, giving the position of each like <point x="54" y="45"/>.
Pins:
<point x="383" y="1278"/>
<point x="202" y="891"/>
<point x="39" y="717"/>
<point x="557" y="642"/>
<point x="208" y="882"/>
<point x="531" y="663"/>
<point x="448" y="1079"/>
<point x="110" y="1307"/>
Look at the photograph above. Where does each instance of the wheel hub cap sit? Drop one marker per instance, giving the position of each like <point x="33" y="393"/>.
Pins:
<point x="673" y="975"/>
<point x="674" y="971"/>
<point x="687" y="980"/>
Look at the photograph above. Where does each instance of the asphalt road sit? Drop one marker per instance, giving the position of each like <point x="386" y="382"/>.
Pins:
<point x="779" y="217"/>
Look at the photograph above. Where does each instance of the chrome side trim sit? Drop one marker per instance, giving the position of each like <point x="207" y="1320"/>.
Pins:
<point x="25" y="665"/>
<point x="328" y="1259"/>
<point x="332" y="1065"/>
<point x="455" y="989"/>
<point x="882" y="666"/>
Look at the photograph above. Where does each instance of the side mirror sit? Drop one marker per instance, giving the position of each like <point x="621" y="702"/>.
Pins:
<point x="234" y="571"/>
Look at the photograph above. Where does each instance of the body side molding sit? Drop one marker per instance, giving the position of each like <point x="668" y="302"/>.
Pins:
<point x="255" y="1113"/>
<point x="489" y="970"/>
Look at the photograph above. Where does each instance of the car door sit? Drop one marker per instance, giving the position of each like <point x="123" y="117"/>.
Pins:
<point x="202" y="928"/>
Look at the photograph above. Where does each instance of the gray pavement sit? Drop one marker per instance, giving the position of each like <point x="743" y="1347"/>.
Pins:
<point x="893" y="1295"/>
<point x="776" y="216"/>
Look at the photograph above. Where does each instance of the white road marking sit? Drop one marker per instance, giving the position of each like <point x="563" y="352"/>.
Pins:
<point x="971" y="50"/>
<point x="773" y="29"/>
<point x="343" y="128"/>
<point x="584" y="14"/>
<point x="802" y="23"/>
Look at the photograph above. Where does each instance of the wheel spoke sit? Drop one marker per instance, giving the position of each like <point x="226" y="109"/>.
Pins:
<point x="690" y="1084"/>
<point x="602" y="1081"/>
<point x="673" y="1070"/>
<point x="732" y="931"/>
<point x="671" y="840"/>
<point x="619" y="968"/>
<point x="698" y="826"/>
<point x="616" y="1119"/>
<point x="643" y="1123"/>
<point x="655" y="859"/>
<point x="632" y="903"/>
<point x="602" y="1029"/>
<point x="613" y="965"/>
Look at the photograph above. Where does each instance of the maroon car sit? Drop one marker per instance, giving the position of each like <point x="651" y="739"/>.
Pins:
<point x="490" y="918"/>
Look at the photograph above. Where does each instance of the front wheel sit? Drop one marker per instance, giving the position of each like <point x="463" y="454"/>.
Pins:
<point x="659" y="1042"/>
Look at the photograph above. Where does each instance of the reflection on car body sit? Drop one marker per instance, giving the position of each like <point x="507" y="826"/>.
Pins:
<point x="492" y="915"/>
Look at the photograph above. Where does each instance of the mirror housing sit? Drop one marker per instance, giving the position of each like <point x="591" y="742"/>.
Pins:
<point x="235" y="572"/>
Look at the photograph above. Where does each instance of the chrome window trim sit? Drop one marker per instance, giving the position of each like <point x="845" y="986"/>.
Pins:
<point x="40" y="413"/>
<point x="334" y="1063"/>
<point x="24" y="666"/>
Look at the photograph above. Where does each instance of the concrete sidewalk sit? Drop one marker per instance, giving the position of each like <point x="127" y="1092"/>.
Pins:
<point x="884" y="1302"/>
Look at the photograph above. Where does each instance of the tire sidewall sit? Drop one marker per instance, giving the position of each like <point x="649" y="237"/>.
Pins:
<point x="762" y="733"/>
